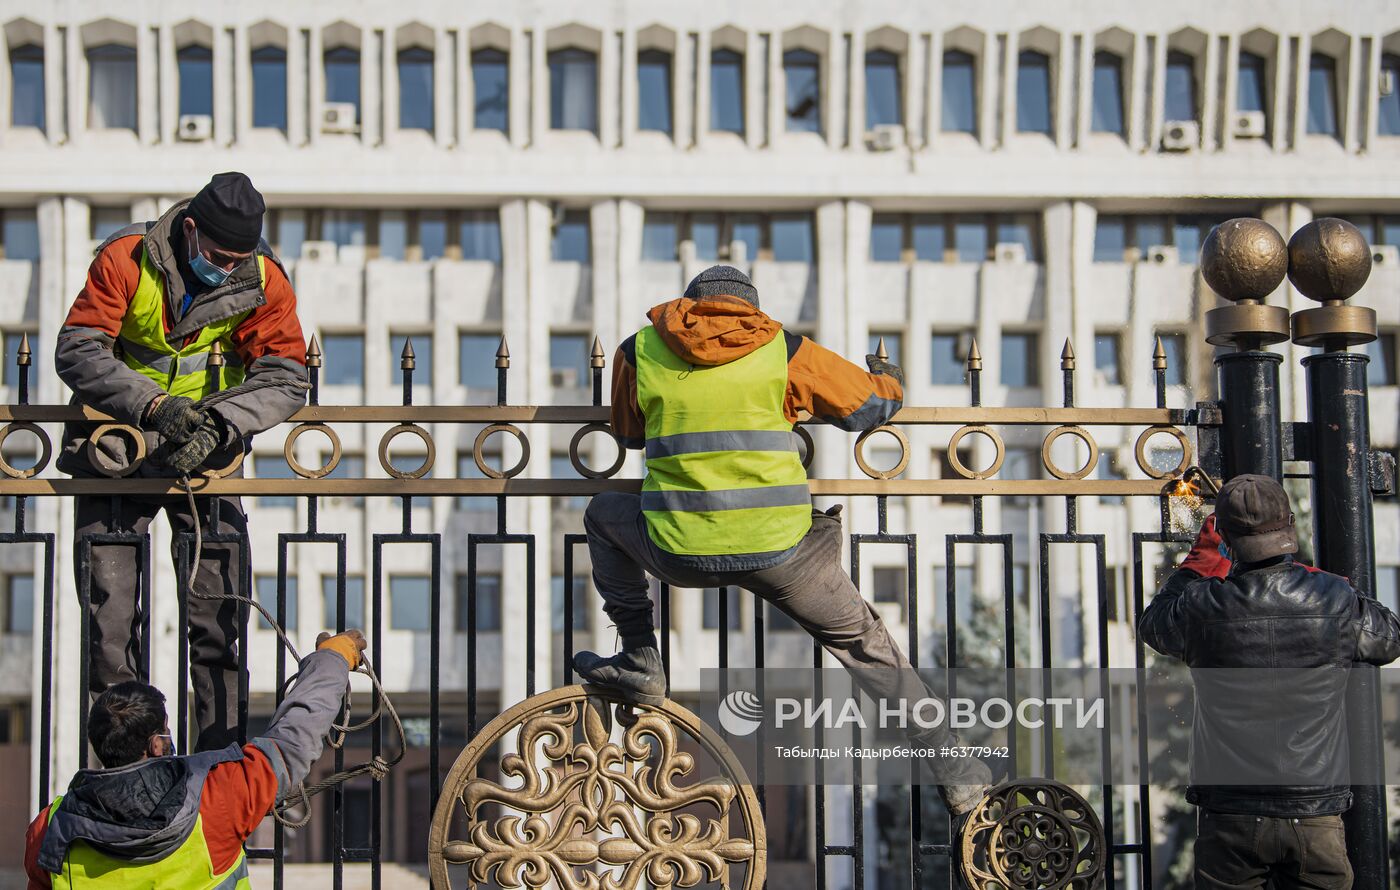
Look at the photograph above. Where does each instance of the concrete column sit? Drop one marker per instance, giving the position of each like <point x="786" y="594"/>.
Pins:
<point x="628" y="88"/>
<point x="685" y="69"/>
<point x="1354" y="89"/>
<point x="855" y="115"/>
<point x="539" y="88"/>
<point x="1229" y="101"/>
<point x="1066" y="97"/>
<point x="1082" y="217"/>
<point x="628" y="310"/>
<point x="763" y="92"/>
<point x="466" y="88"/>
<point x="1279" y="137"/>
<point x="1139" y="102"/>
<point x="1371" y="92"/>
<point x="1058" y="226"/>
<point x="832" y="84"/>
<point x="916" y="63"/>
<point x="381" y="100"/>
<point x="987" y="76"/>
<point x="1159" y="92"/>
<point x="701" y="113"/>
<point x="933" y="118"/>
<point x="444" y="72"/>
<point x="316" y="87"/>
<point x="55" y="115"/>
<point x="156" y="120"/>
<point x="225" y="101"/>
<point x="609" y="88"/>
<point x="1008" y="87"/>
<point x="243" y="83"/>
<point x="833" y="447"/>
<point x="1210" y="98"/>
<point x="1300" y="90"/>
<point x="1084" y="96"/>
<point x="523" y="100"/>
<point x="77" y="92"/>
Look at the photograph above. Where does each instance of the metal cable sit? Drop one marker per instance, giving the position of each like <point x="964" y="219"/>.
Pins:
<point x="379" y="766"/>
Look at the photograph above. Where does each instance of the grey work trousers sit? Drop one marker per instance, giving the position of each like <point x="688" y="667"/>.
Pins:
<point x="114" y="618"/>
<point x="810" y="586"/>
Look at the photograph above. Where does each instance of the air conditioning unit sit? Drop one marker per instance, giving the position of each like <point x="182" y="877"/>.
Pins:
<point x="318" y="252"/>
<point x="1181" y="135"/>
<point x="1160" y="255"/>
<point x="339" y="117"/>
<point x="884" y="137"/>
<point x="1011" y="252"/>
<point x="563" y="378"/>
<point x="195" y="128"/>
<point x="351" y="254"/>
<point x="1249" y="125"/>
<point x="1386" y="255"/>
<point x="1387" y="84"/>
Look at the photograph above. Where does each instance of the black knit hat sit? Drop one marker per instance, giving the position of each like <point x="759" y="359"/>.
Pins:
<point x="722" y="281"/>
<point x="230" y="211"/>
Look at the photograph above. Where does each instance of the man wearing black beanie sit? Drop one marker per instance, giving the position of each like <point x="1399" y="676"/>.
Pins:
<point x="136" y="347"/>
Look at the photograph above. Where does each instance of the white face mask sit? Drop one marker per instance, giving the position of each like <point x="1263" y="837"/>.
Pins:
<point x="204" y="270"/>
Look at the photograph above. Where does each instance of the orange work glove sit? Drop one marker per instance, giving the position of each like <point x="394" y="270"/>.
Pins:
<point x="350" y="645"/>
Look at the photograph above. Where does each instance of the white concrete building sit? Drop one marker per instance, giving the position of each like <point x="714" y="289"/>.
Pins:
<point x="1018" y="173"/>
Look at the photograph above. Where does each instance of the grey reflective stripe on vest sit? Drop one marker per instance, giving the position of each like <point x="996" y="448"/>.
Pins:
<point x="727" y="499"/>
<point x="722" y="440"/>
<point x="157" y="361"/>
<point x="238" y="874"/>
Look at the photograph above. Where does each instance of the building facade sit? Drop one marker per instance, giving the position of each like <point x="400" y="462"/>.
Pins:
<point x="451" y="174"/>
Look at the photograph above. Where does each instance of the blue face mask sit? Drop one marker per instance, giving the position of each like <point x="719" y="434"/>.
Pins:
<point x="204" y="270"/>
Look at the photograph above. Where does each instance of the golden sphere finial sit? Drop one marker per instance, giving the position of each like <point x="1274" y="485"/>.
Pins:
<point x="1328" y="259"/>
<point x="1244" y="259"/>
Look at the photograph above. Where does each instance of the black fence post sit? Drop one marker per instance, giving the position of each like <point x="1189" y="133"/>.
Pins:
<point x="1329" y="261"/>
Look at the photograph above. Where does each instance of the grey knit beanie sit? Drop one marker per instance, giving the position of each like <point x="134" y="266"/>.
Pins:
<point x="722" y="281"/>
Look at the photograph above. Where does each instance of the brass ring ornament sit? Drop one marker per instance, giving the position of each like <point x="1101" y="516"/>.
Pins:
<point x="1082" y="435"/>
<point x="289" y="451"/>
<point x="957" y="464"/>
<point x="91" y="453"/>
<point x="894" y="471"/>
<point x="491" y="472"/>
<point x="413" y="429"/>
<point x="1033" y="835"/>
<point x="45" y="449"/>
<point x="1140" y="452"/>
<point x="224" y="471"/>
<point x="586" y="471"/>
<point x="589" y="812"/>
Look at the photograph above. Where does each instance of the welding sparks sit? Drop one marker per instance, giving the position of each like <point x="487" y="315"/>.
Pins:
<point x="1186" y="502"/>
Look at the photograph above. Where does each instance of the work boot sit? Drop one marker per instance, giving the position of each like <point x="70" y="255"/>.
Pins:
<point x="633" y="674"/>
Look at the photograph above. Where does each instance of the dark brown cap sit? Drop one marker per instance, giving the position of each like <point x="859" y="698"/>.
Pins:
<point x="1256" y="518"/>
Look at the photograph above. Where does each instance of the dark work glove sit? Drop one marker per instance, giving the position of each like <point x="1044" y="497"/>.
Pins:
<point x="187" y="458"/>
<point x="176" y="418"/>
<point x="880" y="366"/>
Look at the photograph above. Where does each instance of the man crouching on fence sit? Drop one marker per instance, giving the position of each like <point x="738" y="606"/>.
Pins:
<point x="1269" y="641"/>
<point x="711" y="390"/>
<point x="148" y="819"/>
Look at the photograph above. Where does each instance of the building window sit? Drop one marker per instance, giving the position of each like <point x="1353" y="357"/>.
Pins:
<point x="19" y="604"/>
<point x="422" y="343"/>
<point x="1180" y="87"/>
<point x="19" y="235"/>
<point x="393" y="234"/>
<point x="430" y="234"/>
<point x="1388" y="586"/>
<point x="351" y="466"/>
<point x="196" y="68"/>
<point x="1108" y="469"/>
<point x="27" y="86"/>
<point x="970" y="239"/>
<point x="1107" y="359"/>
<point x="1110" y="239"/>
<point x="342" y="64"/>
<point x="344" y="228"/>
<point x="704" y="233"/>
<point x="571" y="239"/>
<point x="747" y="229"/>
<point x="476" y="360"/>
<point x="578" y="617"/>
<point x="802" y="76"/>
<point x="1250" y="92"/>
<point x="887" y="238"/>
<point x="1174" y="345"/>
<point x="1122" y="239"/>
<point x="343" y="359"/>
<point x="709" y="616"/>
<point x="727" y="91"/>
<point x="560" y="467"/>
<point x="1389" y="123"/>
<point x="659" y="238"/>
<point x="269" y="65"/>
<point x="410" y="602"/>
<point x="1019" y="228"/>
<point x="1020" y="359"/>
<point x="1380" y="371"/>
<point x="894" y="342"/>
<point x="415" y="88"/>
<point x="573" y="90"/>
<point x="946" y="471"/>
<point x="265" y="587"/>
<point x="467" y="469"/>
<point x="1108" y="93"/>
<point x="354" y="601"/>
<point x="654" y="90"/>
<point x="491" y="84"/>
<point x="273" y="466"/>
<point x="112" y="87"/>
<point x="488" y="601"/>
<point x="104" y="222"/>
<point x="479" y="233"/>
<point x="883" y="93"/>
<point x="959" y="92"/>
<point x="1322" y="95"/>
<point x="890" y="585"/>
<point x="1020" y="464"/>
<point x="929" y="237"/>
<point x="964" y="588"/>
<point x="1033" y="105"/>
<point x="791" y="235"/>
<point x="568" y="361"/>
<point x="948" y="357"/>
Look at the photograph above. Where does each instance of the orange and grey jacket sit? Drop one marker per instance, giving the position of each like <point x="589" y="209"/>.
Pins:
<point x="718" y="330"/>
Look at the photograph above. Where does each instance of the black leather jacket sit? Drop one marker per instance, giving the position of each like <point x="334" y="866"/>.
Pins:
<point x="1270" y="647"/>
